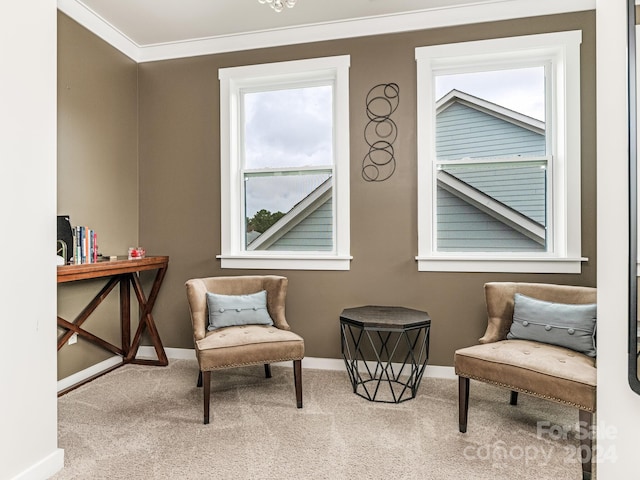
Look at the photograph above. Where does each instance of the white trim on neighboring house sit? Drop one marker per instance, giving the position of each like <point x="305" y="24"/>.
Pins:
<point x="490" y="108"/>
<point x="492" y="207"/>
<point x="293" y="217"/>
<point x="477" y="12"/>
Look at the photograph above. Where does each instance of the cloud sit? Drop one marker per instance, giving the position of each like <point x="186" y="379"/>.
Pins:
<point x="521" y="90"/>
<point x="289" y="128"/>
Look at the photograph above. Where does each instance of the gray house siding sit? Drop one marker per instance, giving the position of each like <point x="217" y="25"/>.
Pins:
<point x="519" y="187"/>
<point x="462" y="131"/>
<point x="464" y="228"/>
<point x="313" y="233"/>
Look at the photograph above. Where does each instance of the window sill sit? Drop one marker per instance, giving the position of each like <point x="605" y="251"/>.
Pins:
<point x="286" y="262"/>
<point x="498" y="264"/>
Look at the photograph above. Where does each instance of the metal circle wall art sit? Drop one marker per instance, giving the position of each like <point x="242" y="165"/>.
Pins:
<point x="380" y="132"/>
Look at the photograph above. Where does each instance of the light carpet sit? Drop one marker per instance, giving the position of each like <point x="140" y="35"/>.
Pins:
<point x="141" y="422"/>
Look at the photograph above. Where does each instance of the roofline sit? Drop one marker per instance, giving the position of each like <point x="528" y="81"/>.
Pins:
<point x="492" y="207"/>
<point x="294" y="216"/>
<point x="490" y="108"/>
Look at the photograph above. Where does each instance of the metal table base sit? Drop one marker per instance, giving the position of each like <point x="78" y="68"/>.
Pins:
<point x="385" y="350"/>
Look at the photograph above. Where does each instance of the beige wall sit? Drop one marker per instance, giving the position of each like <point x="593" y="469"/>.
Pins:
<point x="180" y="190"/>
<point x="159" y="123"/>
<point x="97" y="169"/>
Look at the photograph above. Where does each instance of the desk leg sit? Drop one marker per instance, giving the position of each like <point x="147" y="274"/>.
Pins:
<point x="88" y="310"/>
<point x="73" y="328"/>
<point x="125" y="314"/>
<point x="146" y="321"/>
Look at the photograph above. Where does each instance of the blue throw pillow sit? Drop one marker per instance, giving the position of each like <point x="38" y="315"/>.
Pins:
<point x="566" y="325"/>
<point x="230" y="310"/>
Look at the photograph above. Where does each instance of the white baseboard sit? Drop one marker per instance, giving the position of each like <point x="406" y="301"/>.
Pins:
<point x="433" y="371"/>
<point x="45" y="468"/>
<point x="88" y="372"/>
<point x="174" y="353"/>
<point x="438" y="371"/>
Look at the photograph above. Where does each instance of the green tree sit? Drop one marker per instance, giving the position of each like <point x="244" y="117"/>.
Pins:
<point x="262" y="220"/>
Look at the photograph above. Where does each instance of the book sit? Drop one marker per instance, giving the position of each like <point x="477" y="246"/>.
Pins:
<point x="85" y="245"/>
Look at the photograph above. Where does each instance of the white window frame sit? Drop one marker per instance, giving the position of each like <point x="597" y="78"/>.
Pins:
<point x="232" y="82"/>
<point x="562" y="52"/>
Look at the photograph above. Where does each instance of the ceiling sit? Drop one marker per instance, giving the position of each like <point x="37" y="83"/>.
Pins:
<point x="153" y="22"/>
<point x="148" y="30"/>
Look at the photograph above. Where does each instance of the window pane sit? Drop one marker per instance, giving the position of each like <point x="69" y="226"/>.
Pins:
<point x="518" y="89"/>
<point x="499" y="207"/>
<point x="288" y="128"/>
<point x="289" y="211"/>
<point x="490" y="114"/>
<point x="485" y="206"/>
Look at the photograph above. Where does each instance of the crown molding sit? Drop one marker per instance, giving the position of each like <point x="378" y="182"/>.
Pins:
<point x="100" y="27"/>
<point x="482" y="11"/>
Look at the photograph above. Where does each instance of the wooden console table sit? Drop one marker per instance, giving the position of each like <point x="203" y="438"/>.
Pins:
<point x="125" y="273"/>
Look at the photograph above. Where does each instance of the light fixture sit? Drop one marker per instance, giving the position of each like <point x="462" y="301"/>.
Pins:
<point x="278" y="5"/>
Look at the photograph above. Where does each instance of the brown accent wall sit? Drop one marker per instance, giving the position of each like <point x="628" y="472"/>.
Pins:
<point x="97" y="169"/>
<point x="179" y="161"/>
<point x="175" y="206"/>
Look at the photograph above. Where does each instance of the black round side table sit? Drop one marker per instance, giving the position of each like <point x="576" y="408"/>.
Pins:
<point x="385" y="350"/>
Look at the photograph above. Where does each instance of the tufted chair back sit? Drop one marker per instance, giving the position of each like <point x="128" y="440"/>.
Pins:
<point x="499" y="300"/>
<point x="543" y="370"/>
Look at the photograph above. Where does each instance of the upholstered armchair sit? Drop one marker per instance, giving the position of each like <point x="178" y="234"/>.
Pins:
<point x="237" y="331"/>
<point x="550" y="371"/>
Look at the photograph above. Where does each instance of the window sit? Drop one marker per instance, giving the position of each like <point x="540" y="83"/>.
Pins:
<point x="284" y="130"/>
<point x="499" y="155"/>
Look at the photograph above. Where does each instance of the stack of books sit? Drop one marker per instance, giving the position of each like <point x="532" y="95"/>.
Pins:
<point x="85" y="245"/>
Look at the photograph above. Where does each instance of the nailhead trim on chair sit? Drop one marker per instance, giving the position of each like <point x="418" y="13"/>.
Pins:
<point x="511" y="387"/>
<point x="231" y="365"/>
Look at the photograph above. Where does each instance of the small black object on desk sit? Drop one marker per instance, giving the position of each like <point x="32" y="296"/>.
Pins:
<point x="385" y="350"/>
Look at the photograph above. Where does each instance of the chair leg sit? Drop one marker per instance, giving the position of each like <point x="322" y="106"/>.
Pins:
<point x="297" y="379"/>
<point x="267" y="370"/>
<point x="463" y="403"/>
<point x="514" y="398"/>
<point x="586" y="442"/>
<point x="206" y="376"/>
<point x="199" y="383"/>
